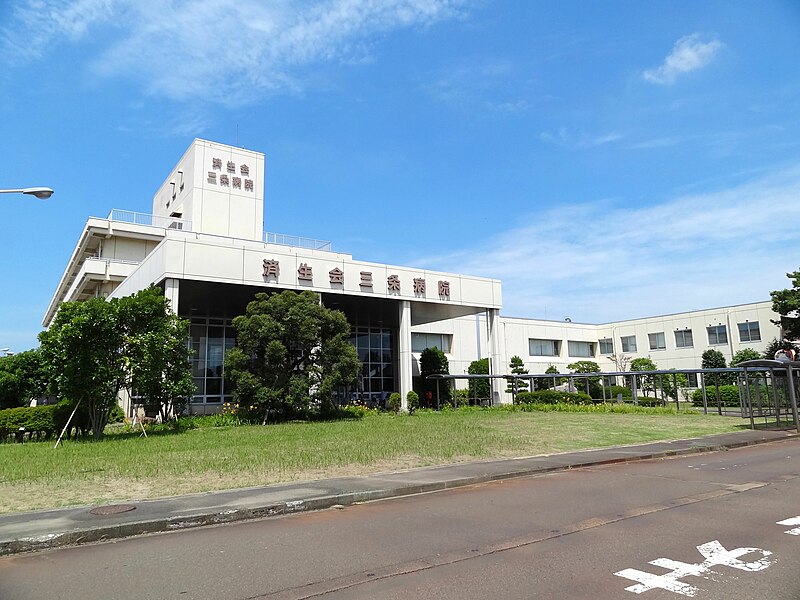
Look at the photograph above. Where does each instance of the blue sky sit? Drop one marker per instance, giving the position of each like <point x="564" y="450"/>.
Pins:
<point x="606" y="160"/>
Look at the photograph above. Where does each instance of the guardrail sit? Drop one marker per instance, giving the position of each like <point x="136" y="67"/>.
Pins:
<point x="297" y="242"/>
<point x="137" y="218"/>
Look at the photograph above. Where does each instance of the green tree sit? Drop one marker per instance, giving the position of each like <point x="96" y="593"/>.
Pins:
<point x="479" y="388"/>
<point x="291" y="354"/>
<point x="714" y="359"/>
<point x="671" y="384"/>
<point x="517" y="367"/>
<point x="787" y="304"/>
<point x="432" y="361"/>
<point x="591" y="385"/>
<point x="645" y="383"/>
<point x="158" y="354"/>
<point x="545" y="383"/>
<point x="22" y="378"/>
<point x="83" y="354"/>
<point x="743" y="355"/>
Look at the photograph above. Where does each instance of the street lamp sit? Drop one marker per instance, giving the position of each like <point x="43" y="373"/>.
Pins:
<point x="40" y="192"/>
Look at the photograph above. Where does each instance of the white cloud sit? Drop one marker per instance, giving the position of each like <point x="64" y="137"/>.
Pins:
<point x="578" y="139"/>
<point x="689" y="53"/>
<point x="599" y="262"/>
<point x="224" y="50"/>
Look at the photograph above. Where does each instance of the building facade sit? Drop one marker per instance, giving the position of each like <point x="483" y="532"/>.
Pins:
<point x="204" y="243"/>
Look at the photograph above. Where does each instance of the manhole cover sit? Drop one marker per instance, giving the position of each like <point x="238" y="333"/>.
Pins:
<point x="111" y="509"/>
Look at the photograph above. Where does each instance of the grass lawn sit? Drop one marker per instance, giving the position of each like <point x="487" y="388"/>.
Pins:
<point x="124" y="467"/>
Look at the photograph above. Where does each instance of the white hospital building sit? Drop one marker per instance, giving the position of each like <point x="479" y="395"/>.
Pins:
<point x="204" y="243"/>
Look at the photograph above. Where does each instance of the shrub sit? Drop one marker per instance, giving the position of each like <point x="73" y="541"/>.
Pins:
<point x="620" y="389"/>
<point x="395" y="401"/>
<point x="552" y="397"/>
<point x="728" y="395"/>
<point x="462" y="397"/>
<point x="649" y="401"/>
<point x="412" y="400"/>
<point x="41" y="420"/>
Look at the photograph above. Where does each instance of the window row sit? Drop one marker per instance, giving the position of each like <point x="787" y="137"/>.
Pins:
<point x="553" y="348"/>
<point x="717" y="335"/>
<point x="420" y="341"/>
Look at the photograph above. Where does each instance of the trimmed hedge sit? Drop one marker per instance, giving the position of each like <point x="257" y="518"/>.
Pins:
<point x="552" y="397"/>
<point x="728" y="395"/>
<point x="41" y="420"/>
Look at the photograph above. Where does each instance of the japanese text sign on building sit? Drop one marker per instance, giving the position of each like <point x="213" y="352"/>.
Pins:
<point x="393" y="283"/>
<point x="271" y="268"/>
<point x="304" y="272"/>
<point x="419" y="285"/>
<point x="366" y="279"/>
<point x="336" y="275"/>
<point x="225" y="178"/>
<point x="444" y="289"/>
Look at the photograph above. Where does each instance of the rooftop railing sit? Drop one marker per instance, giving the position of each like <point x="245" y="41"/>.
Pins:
<point x="297" y="242"/>
<point x="136" y="218"/>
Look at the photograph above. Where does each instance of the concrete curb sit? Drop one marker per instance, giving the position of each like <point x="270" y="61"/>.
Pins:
<point x="98" y="532"/>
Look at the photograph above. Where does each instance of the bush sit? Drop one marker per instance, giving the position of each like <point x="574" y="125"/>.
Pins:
<point x="412" y="400"/>
<point x="41" y="420"/>
<point x="552" y="397"/>
<point x="728" y="395"/>
<point x="620" y="389"/>
<point x="645" y="401"/>
<point x="395" y="402"/>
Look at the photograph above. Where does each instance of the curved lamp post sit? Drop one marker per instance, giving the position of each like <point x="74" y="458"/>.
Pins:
<point x="40" y="192"/>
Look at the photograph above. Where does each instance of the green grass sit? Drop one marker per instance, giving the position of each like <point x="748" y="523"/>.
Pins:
<point x="126" y="466"/>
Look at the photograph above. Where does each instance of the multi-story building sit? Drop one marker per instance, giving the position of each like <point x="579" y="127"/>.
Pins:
<point x="204" y="243"/>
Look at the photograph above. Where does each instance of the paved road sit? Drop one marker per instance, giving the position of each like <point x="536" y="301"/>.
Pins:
<point x="709" y="521"/>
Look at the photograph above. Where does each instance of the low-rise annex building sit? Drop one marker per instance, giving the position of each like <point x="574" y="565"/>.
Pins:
<point x="204" y="243"/>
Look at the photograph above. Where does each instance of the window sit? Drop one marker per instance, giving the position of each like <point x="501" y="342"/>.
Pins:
<point x="717" y="334"/>
<point x="543" y="347"/>
<point x="683" y="339"/>
<point x="420" y="341"/>
<point x="692" y="377"/>
<point x="606" y="346"/>
<point x="657" y="341"/>
<point x="581" y="349"/>
<point x="628" y="343"/>
<point x="749" y="332"/>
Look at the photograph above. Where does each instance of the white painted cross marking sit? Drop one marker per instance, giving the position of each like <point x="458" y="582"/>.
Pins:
<point x="714" y="554"/>
<point x="792" y="521"/>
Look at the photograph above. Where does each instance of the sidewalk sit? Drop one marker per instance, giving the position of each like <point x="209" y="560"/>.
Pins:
<point x="24" y="532"/>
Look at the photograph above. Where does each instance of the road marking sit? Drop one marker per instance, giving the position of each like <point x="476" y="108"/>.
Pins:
<point x="715" y="555"/>
<point x="792" y="521"/>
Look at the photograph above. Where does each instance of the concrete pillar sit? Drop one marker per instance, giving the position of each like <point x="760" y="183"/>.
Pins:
<point x="404" y="347"/>
<point x="496" y="359"/>
<point x="171" y="289"/>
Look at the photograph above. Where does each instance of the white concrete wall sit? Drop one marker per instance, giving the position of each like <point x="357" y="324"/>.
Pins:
<point x="211" y="205"/>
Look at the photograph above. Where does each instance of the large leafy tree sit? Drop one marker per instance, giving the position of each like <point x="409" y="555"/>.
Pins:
<point x="157" y="351"/>
<point x="291" y="354"/>
<point x="432" y="361"/>
<point x="84" y="355"/>
<point x="787" y="304"/>
<point x="21" y="378"/>
<point x="96" y="348"/>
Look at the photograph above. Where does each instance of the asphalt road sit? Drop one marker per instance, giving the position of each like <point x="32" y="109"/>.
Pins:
<point x="709" y="522"/>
